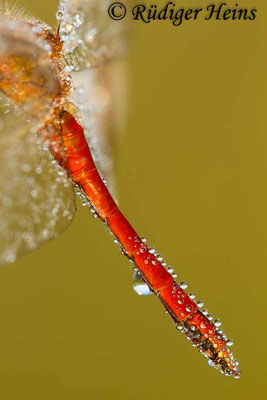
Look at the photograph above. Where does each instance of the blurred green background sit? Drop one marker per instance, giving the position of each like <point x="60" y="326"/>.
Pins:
<point x="191" y="172"/>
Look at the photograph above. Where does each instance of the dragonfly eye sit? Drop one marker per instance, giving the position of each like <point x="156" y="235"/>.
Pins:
<point x="27" y="75"/>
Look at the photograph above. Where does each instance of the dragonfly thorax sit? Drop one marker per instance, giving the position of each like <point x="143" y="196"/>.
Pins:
<point x="31" y="70"/>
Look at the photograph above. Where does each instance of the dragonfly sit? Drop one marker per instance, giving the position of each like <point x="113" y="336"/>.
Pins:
<point x="54" y="146"/>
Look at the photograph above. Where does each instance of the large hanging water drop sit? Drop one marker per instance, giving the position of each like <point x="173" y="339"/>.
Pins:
<point x="140" y="286"/>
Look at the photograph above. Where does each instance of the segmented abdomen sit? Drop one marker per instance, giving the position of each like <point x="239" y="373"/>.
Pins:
<point x="184" y="311"/>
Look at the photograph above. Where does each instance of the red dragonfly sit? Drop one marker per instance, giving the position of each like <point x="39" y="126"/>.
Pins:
<point x="45" y="153"/>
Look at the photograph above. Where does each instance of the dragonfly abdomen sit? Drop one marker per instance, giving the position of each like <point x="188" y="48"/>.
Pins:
<point x="83" y="168"/>
<point x="183" y="310"/>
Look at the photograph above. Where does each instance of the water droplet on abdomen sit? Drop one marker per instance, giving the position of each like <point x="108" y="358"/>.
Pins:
<point x="140" y="286"/>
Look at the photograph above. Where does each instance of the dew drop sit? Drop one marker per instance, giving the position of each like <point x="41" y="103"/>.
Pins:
<point x="217" y="322"/>
<point x="170" y="269"/>
<point x="26" y="168"/>
<point x="10" y="256"/>
<point x="189" y="308"/>
<point x="200" y="303"/>
<point x="34" y="193"/>
<point x="211" y="363"/>
<point x="45" y="233"/>
<point x="59" y="15"/>
<point x="140" y="286"/>
<point x="192" y="296"/>
<point x="183" y="285"/>
<point x="179" y="326"/>
<point x="229" y="342"/>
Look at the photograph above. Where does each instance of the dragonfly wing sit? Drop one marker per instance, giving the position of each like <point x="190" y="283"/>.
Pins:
<point x="100" y="98"/>
<point x="36" y="196"/>
<point x="90" y="37"/>
<point x="93" y="46"/>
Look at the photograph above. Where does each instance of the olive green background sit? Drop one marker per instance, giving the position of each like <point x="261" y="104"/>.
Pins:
<point x="191" y="173"/>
